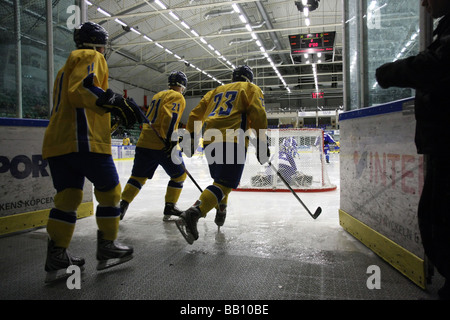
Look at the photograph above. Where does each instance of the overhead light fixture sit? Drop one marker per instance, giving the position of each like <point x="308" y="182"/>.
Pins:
<point x="311" y="5"/>
<point x="184" y="24"/>
<point x="103" y="12"/>
<point x="135" y="31"/>
<point x="173" y="15"/>
<point x="120" y="22"/>
<point x="160" y="4"/>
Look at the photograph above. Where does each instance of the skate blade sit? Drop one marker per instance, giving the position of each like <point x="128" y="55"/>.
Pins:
<point x="181" y="225"/>
<point x="58" y="275"/>
<point x="168" y="218"/>
<point x="106" y="264"/>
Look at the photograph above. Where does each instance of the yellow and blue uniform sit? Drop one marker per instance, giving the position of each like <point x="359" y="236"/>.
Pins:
<point x="77" y="144"/>
<point x="77" y="124"/>
<point x="164" y="114"/>
<point x="238" y="106"/>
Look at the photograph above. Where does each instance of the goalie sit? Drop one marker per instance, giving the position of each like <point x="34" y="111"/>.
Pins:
<point x="286" y="167"/>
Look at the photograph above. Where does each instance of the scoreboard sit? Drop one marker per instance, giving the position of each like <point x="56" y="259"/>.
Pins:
<point x="322" y="42"/>
<point x="317" y="95"/>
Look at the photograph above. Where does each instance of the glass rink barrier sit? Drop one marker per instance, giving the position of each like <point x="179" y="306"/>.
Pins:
<point x="123" y="152"/>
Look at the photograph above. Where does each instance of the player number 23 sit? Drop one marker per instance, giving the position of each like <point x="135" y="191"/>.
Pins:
<point x="226" y="106"/>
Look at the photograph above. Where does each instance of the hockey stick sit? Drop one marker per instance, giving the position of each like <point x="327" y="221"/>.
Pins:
<point x="163" y="141"/>
<point x="318" y="210"/>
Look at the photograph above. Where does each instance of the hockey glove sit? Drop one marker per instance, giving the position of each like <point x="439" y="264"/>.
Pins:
<point x="126" y="109"/>
<point x="262" y="150"/>
<point x="168" y="146"/>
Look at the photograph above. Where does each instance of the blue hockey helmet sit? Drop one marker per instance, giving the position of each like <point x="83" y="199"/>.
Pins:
<point x="242" y="73"/>
<point x="90" y="35"/>
<point x="178" y="79"/>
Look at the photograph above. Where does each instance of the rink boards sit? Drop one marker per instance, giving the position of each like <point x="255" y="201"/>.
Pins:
<point x="381" y="178"/>
<point x="26" y="186"/>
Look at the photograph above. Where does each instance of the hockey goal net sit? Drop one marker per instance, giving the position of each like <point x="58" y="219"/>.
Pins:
<point x="297" y="154"/>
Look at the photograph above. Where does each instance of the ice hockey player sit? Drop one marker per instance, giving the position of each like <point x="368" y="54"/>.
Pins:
<point x="286" y="163"/>
<point x="77" y="144"/>
<point x="165" y="111"/>
<point x="327" y="140"/>
<point x="234" y="106"/>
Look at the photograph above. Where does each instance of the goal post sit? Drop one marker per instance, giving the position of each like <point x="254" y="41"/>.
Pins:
<point x="297" y="154"/>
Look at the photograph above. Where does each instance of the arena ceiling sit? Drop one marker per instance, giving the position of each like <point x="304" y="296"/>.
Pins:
<point x="206" y="38"/>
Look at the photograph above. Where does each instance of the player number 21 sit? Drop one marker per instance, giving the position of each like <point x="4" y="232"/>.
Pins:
<point x="230" y="96"/>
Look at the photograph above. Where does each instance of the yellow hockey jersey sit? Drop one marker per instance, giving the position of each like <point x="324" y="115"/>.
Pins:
<point x="164" y="113"/>
<point x="77" y="124"/>
<point x="238" y="105"/>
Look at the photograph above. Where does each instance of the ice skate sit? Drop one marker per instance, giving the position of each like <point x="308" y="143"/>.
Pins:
<point x="111" y="253"/>
<point x="187" y="223"/>
<point x="171" y="210"/>
<point x="221" y="214"/>
<point x="123" y="208"/>
<point x="57" y="262"/>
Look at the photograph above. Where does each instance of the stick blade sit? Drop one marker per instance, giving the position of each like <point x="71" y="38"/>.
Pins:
<point x="317" y="213"/>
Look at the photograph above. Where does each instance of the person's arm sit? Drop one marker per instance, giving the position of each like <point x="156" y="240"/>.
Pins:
<point x="427" y="70"/>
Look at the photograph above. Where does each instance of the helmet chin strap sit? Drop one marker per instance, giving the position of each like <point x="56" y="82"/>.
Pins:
<point x="183" y="89"/>
<point x="95" y="46"/>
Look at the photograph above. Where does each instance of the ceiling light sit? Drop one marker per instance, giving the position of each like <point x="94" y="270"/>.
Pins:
<point x="103" y="12"/>
<point x="120" y="22"/>
<point x="305" y="11"/>
<point x="160" y="4"/>
<point x="310" y="4"/>
<point x="174" y="15"/>
<point x="184" y="24"/>
<point x="135" y="31"/>
<point x="243" y="19"/>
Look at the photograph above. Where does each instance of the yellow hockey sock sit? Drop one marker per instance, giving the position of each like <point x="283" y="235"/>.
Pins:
<point x="60" y="227"/>
<point x="108" y="212"/>
<point x="132" y="188"/>
<point x="174" y="188"/>
<point x="212" y="196"/>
